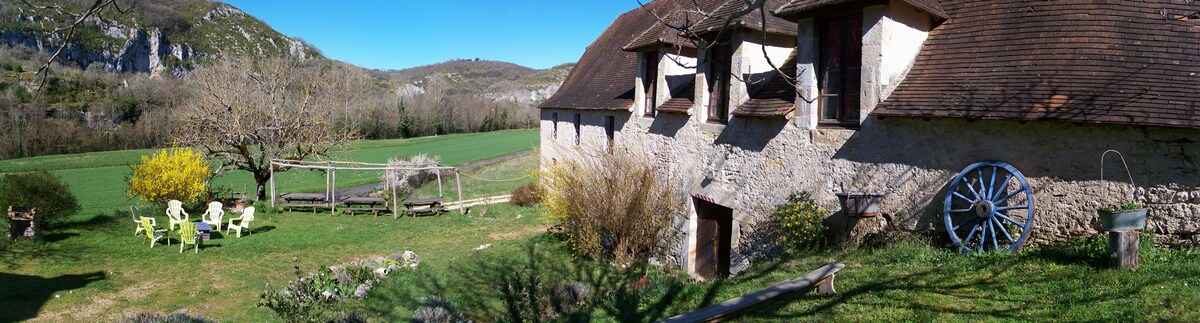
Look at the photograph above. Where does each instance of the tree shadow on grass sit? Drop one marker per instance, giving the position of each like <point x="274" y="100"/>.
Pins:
<point x="23" y="296"/>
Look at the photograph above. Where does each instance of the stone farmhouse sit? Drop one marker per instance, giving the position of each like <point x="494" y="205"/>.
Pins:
<point x="895" y="97"/>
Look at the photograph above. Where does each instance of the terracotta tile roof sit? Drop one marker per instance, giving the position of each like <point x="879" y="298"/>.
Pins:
<point x="604" y="77"/>
<point x="775" y="99"/>
<point x="716" y="19"/>
<point x="681" y="99"/>
<point x="676" y="105"/>
<point x="682" y="17"/>
<point x="1121" y="62"/>
<point x="795" y="7"/>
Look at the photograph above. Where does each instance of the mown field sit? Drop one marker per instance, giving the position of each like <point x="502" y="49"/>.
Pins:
<point x="99" y="179"/>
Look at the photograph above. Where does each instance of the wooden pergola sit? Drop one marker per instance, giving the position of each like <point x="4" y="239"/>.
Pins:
<point x="332" y="166"/>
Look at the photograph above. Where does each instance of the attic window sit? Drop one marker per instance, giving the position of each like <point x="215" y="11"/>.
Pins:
<point x="839" y="76"/>
<point x="554" y="122"/>
<point x="719" y="62"/>
<point x="649" y="81"/>
<point x="610" y="130"/>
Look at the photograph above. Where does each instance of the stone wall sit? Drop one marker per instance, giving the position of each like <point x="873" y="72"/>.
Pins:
<point x="912" y="161"/>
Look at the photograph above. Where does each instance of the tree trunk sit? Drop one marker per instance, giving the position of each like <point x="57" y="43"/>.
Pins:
<point x="261" y="185"/>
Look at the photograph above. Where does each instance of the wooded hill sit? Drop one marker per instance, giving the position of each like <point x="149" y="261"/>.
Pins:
<point x="121" y="76"/>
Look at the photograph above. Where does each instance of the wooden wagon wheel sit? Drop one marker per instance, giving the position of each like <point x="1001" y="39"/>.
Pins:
<point x="988" y="207"/>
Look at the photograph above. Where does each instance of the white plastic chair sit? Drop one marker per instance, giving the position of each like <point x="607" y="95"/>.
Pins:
<point x="243" y="222"/>
<point x="176" y="214"/>
<point x="213" y="215"/>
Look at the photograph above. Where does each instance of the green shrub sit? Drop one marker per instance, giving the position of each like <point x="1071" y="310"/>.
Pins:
<point x="799" y="221"/>
<point x="41" y="190"/>
<point x="526" y="195"/>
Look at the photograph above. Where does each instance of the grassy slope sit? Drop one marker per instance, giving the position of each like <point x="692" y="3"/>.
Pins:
<point x="98" y="179"/>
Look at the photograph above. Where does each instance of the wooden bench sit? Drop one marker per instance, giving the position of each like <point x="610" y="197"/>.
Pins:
<point x="822" y="279"/>
<point x="372" y="204"/>
<point x="303" y="200"/>
<point x="431" y="205"/>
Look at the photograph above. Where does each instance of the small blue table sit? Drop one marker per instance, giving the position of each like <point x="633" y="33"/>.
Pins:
<point x="204" y="229"/>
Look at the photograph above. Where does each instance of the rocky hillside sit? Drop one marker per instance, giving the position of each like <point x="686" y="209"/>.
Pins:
<point x="157" y="37"/>
<point x="482" y="78"/>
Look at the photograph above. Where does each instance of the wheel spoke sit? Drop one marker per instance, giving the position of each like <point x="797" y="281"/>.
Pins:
<point x="1006" y="208"/>
<point x="968" y="221"/>
<point x="982" y="238"/>
<point x="960" y="210"/>
<point x="964" y="242"/>
<point x="992" y="229"/>
<point x="1003" y="230"/>
<point x="1006" y="197"/>
<point x="979" y="179"/>
<point x="1003" y="185"/>
<point x="992" y="184"/>
<point x="962" y="197"/>
<point x="1006" y="218"/>
<point x="972" y="188"/>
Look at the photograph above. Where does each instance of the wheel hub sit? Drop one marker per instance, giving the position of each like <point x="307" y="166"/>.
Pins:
<point x="984" y="209"/>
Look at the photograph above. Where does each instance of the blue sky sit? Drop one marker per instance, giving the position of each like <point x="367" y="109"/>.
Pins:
<point x="396" y="34"/>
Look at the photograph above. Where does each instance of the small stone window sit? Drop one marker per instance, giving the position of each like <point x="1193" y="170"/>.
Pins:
<point x="610" y="130"/>
<point x="578" y="133"/>
<point x="840" y="70"/>
<point x="554" y="122"/>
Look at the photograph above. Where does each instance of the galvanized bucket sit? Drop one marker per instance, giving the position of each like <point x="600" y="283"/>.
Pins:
<point x="1126" y="219"/>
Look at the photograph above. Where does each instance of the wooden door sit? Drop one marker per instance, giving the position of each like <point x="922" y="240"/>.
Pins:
<point x="714" y="228"/>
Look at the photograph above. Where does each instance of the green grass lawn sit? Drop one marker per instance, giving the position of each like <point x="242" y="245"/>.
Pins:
<point x="99" y="271"/>
<point x="98" y="180"/>
<point x="907" y="281"/>
<point x="495" y="179"/>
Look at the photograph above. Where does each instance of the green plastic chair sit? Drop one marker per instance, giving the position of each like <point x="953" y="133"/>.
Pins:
<point x="188" y="235"/>
<point x="151" y="233"/>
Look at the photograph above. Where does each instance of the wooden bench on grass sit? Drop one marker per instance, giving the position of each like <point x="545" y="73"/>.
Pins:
<point x="822" y="279"/>
<point x="431" y="205"/>
<point x="303" y="200"/>
<point x="371" y="204"/>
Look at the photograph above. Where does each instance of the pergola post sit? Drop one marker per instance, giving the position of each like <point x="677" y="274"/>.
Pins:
<point x="458" y="182"/>
<point x="439" y="176"/>
<point x="392" y="187"/>
<point x="333" y="193"/>
<point x="272" y="170"/>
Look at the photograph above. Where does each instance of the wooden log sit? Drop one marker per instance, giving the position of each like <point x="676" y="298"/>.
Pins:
<point x="821" y="279"/>
<point x="1123" y="249"/>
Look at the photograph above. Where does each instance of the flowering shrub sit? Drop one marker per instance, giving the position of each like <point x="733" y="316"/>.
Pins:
<point x="799" y="221"/>
<point x="404" y="181"/>
<point x="170" y="174"/>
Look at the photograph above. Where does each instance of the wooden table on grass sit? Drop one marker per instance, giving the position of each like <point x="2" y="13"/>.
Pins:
<point x="312" y="200"/>
<point x="373" y="204"/>
<point x="432" y="205"/>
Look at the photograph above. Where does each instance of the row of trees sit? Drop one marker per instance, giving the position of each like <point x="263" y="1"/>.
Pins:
<point x="92" y="110"/>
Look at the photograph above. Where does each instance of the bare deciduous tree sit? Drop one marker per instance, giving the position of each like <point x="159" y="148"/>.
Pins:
<point x="246" y="113"/>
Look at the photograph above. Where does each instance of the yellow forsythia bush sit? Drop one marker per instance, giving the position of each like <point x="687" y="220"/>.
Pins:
<point x="799" y="221"/>
<point x="170" y="174"/>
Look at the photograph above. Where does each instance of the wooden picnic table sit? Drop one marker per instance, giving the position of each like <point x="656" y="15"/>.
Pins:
<point x="432" y="205"/>
<point x="312" y="200"/>
<point x="373" y="204"/>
